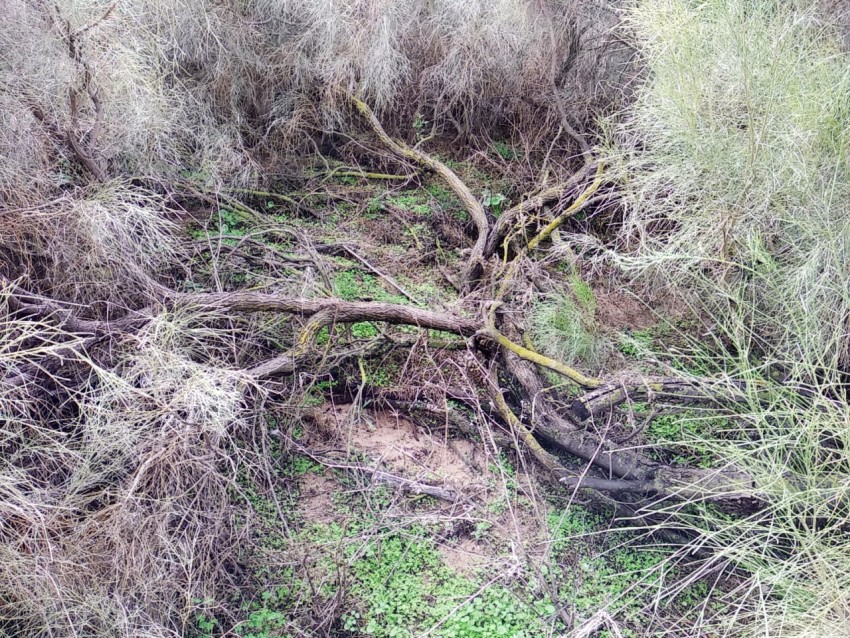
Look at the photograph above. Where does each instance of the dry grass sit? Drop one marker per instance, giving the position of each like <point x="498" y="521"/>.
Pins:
<point x="174" y="92"/>
<point x="734" y="157"/>
<point x="202" y="87"/>
<point x="102" y="245"/>
<point x="116" y="506"/>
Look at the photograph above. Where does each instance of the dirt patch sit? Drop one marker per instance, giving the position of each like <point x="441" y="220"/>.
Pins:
<point x="619" y="310"/>
<point x="316" y="498"/>
<point x="494" y="520"/>
<point x="465" y="556"/>
<point x="397" y="445"/>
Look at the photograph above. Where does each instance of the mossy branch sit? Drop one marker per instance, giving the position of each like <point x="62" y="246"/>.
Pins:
<point x="535" y="357"/>
<point x="571" y="210"/>
<point x="507" y="219"/>
<point x="547" y="460"/>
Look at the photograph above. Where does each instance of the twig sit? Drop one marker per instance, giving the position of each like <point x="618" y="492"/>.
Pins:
<point x="379" y="476"/>
<point x="596" y="622"/>
<point x="382" y="275"/>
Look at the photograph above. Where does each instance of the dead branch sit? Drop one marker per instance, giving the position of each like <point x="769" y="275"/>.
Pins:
<point x="85" y="151"/>
<point x="728" y="486"/>
<point x="456" y="185"/>
<point x="595" y="623"/>
<point x="570" y="373"/>
<point x="608" y="485"/>
<point x="571" y="210"/>
<point x="28" y="304"/>
<point x="549" y="461"/>
<point x="414" y="487"/>
<point x="694" y="391"/>
<point x="408" y="486"/>
<point x="603" y="395"/>
<point x="337" y="310"/>
<point x="690" y="485"/>
<point x="508" y="219"/>
<point x="555" y="429"/>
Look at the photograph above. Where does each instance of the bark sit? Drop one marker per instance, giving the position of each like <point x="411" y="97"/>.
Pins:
<point x="727" y="486"/>
<point x="335" y="310"/>
<point x="413" y="487"/>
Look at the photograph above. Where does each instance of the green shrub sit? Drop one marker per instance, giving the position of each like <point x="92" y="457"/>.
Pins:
<point x="736" y="181"/>
<point x="563" y="326"/>
<point x="735" y="165"/>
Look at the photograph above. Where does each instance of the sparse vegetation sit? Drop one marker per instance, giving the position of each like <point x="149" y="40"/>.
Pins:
<point x="454" y="318"/>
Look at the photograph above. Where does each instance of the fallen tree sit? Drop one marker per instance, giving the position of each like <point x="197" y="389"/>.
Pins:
<point x="635" y="473"/>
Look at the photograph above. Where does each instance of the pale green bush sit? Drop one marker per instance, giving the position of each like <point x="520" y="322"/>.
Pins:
<point x="734" y="161"/>
<point x="563" y="326"/>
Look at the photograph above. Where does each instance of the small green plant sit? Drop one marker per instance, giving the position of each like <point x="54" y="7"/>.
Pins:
<point x="299" y="465"/>
<point x="348" y="285"/>
<point x="205" y="625"/>
<point x="412" y="201"/>
<point x="346" y="180"/>
<point x="231" y="222"/>
<point x="352" y="285"/>
<point x="312" y="398"/>
<point x="381" y="376"/>
<point x="494" y="201"/>
<point x="419" y="125"/>
<point x="264" y="620"/>
<point x="364" y="330"/>
<point x="583" y="292"/>
<point x="405" y="590"/>
<point x="636" y="343"/>
<point x="323" y="336"/>
<point x="442" y="194"/>
<point x="505" y="151"/>
<point x="375" y="206"/>
<point x="682" y="436"/>
<point x="566" y="526"/>
<point x="482" y="529"/>
<point x="597" y="571"/>
<point x="563" y="326"/>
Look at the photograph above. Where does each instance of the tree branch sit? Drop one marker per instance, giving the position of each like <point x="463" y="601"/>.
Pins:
<point x="458" y="187"/>
<point x="337" y="310"/>
<point x="508" y="218"/>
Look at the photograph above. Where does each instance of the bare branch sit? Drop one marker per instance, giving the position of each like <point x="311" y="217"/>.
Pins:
<point x="458" y="187"/>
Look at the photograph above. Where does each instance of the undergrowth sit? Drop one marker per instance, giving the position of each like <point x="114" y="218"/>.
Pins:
<point x="563" y="325"/>
<point x="733" y="164"/>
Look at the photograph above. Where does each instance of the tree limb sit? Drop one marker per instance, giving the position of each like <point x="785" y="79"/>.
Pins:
<point x="474" y="207"/>
<point x="337" y="310"/>
<point x="571" y="210"/>
<point x="529" y="355"/>
<point x="508" y="218"/>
